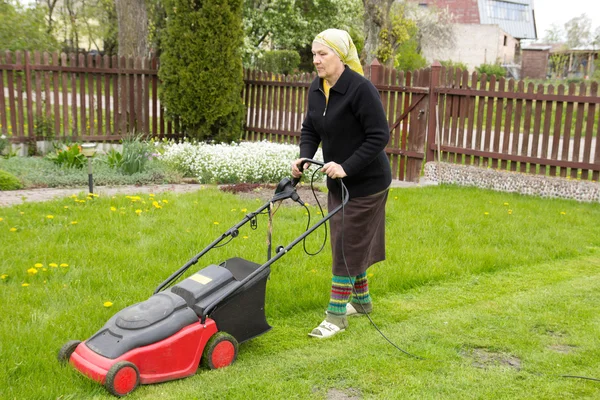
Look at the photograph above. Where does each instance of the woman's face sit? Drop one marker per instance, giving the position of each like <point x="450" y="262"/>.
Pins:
<point x="327" y="63"/>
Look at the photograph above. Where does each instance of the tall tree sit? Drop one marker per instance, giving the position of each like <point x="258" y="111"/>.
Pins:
<point x="133" y="27"/>
<point x="201" y="67"/>
<point x="553" y="34"/>
<point x="292" y="24"/>
<point x="387" y="27"/>
<point x="578" y="31"/>
<point x="24" y="28"/>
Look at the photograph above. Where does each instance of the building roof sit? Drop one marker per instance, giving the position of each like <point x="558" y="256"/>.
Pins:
<point x="515" y="17"/>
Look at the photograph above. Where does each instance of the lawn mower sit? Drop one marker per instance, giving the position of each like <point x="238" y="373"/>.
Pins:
<point x="198" y="321"/>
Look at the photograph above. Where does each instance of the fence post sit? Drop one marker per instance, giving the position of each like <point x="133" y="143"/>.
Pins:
<point x="30" y="121"/>
<point x="432" y="127"/>
<point x="376" y="72"/>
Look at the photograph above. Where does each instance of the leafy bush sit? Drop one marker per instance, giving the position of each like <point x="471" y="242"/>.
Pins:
<point x="201" y="68"/>
<point x="247" y="162"/>
<point x="37" y="172"/>
<point x="454" y="64"/>
<point x="114" y="159"/>
<point x="491" y="69"/>
<point x="279" y="61"/>
<point x="9" y="181"/>
<point x="69" y="157"/>
<point x="136" y="154"/>
<point x="4" y="144"/>
<point x="408" y="57"/>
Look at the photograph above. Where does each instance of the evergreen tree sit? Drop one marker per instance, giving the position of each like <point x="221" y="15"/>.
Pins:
<point x="201" y="67"/>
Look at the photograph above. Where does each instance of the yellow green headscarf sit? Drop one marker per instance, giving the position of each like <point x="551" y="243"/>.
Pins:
<point x="342" y="45"/>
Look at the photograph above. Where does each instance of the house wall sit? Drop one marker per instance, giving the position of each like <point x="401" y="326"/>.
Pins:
<point x="534" y="63"/>
<point x="464" y="11"/>
<point x="476" y="45"/>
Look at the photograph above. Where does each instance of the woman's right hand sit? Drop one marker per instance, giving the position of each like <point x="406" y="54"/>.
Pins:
<point x="296" y="173"/>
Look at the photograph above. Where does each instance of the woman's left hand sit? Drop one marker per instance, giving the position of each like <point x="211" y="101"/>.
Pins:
<point x="333" y="170"/>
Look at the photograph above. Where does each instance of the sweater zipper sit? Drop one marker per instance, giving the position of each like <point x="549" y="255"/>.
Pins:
<point x="326" y="102"/>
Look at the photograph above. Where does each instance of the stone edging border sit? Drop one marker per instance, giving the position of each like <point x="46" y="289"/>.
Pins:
<point x="513" y="182"/>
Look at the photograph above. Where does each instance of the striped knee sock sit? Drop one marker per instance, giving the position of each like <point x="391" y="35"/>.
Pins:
<point x="361" y="290"/>
<point x="341" y="290"/>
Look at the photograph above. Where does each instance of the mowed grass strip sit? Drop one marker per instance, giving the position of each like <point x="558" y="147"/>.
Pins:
<point x="495" y="291"/>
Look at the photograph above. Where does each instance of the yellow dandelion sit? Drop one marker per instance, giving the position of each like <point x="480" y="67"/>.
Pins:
<point x="151" y="195"/>
<point x="66" y="207"/>
<point x="306" y="204"/>
<point x="563" y="213"/>
<point x="113" y="209"/>
<point x="244" y="237"/>
<point x="509" y="212"/>
<point x="505" y="204"/>
<point x="50" y="216"/>
<point x="234" y="209"/>
<point x="25" y="284"/>
<point x="244" y="210"/>
<point x="73" y="222"/>
<point x="165" y="201"/>
<point x="53" y="265"/>
<point x="216" y="223"/>
<point x="22" y="213"/>
<point x="32" y="271"/>
<point x="44" y="269"/>
<point x="395" y="197"/>
<point x="1" y="219"/>
<point x="108" y="304"/>
<point x="73" y="196"/>
<point x="138" y="211"/>
<point x="3" y="276"/>
<point x="63" y="265"/>
<point x="314" y="271"/>
<point x="13" y="229"/>
<point x="486" y="213"/>
<point x="370" y="275"/>
<point x="38" y="265"/>
<point x="156" y="205"/>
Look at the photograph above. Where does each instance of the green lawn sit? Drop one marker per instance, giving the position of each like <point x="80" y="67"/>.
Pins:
<point x="496" y="292"/>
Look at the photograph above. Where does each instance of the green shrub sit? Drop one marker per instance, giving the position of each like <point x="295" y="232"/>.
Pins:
<point x="9" y="181"/>
<point x="114" y="159"/>
<point x="69" y="157"/>
<point x="201" y="68"/>
<point x="454" y="64"/>
<point x="408" y="57"/>
<point x="491" y="69"/>
<point x="136" y="154"/>
<point x="279" y="61"/>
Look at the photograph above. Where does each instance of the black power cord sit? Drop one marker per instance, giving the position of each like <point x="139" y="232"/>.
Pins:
<point x="345" y="192"/>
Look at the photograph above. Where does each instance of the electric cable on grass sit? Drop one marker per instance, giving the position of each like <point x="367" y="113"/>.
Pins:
<point x="345" y="190"/>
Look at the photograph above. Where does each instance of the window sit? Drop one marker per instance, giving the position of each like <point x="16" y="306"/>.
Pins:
<point x="505" y="40"/>
<point x="498" y="9"/>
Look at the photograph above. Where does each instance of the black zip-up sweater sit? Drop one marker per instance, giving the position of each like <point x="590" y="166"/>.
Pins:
<point x="353" y="129"/>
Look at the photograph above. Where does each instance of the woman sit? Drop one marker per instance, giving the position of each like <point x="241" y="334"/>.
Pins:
<point x="346" y="117"/>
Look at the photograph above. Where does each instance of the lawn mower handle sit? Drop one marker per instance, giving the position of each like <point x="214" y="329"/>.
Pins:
<point x="301" y="168"/>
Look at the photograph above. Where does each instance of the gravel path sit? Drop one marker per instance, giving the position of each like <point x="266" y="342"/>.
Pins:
<point x="14" y="197"/>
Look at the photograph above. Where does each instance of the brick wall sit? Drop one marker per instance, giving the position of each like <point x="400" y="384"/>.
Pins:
<point x="464" y="11"/>
<point x="534" y="63"/>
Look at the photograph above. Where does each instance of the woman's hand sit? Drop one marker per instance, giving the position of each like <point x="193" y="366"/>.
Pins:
<point x="333" y="170"/>
<point x="296" y="173"/>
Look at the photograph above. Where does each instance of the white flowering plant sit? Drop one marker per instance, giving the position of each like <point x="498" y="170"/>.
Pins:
<point x="245" y="162"/>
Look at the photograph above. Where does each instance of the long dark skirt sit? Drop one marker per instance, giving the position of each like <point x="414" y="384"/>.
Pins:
<point x="360" y="227"/>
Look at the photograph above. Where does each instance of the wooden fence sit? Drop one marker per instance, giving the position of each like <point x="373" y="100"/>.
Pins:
<point x="513" y="126"/>
<point x="276" y="106"/>
<point x="73" y="97"/>
<point x="433" y="113"/>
